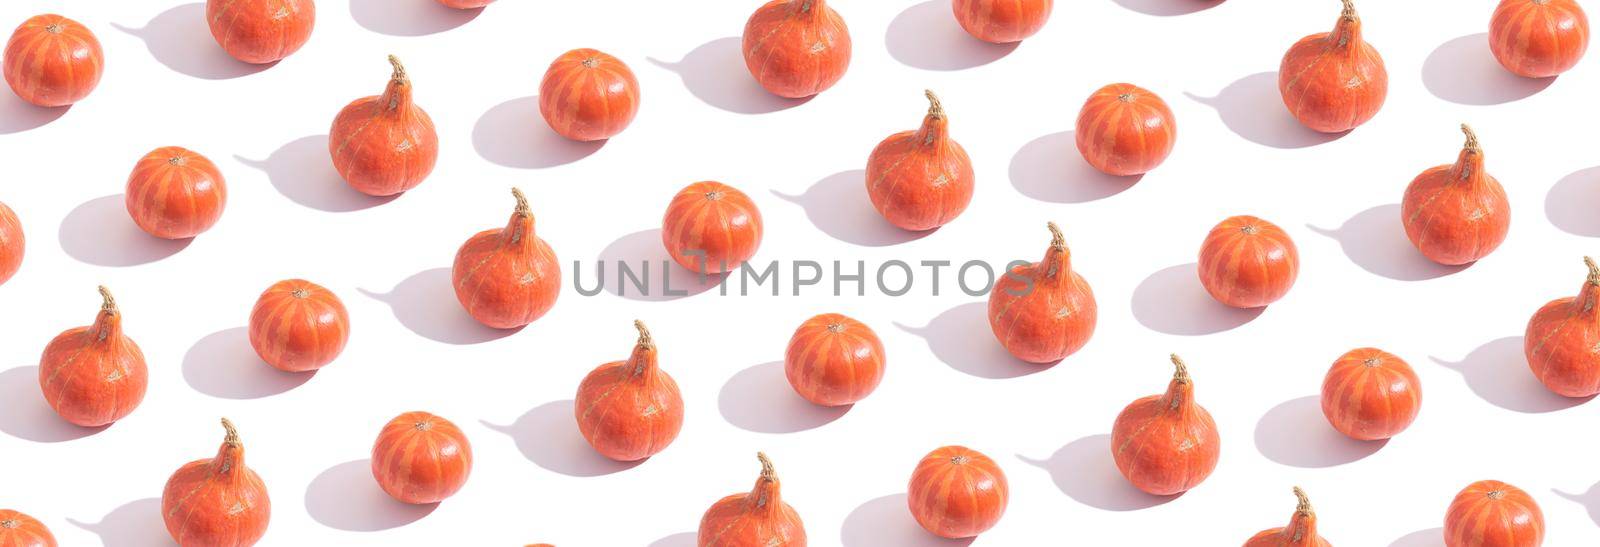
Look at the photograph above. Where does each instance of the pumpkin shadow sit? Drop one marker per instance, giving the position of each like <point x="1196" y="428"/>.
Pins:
<point x="548" y="436"/>
<point x="637" y="267"/>
<point x="302" y="171"/>
<point x="1566" y="204"/>
<point x="514" y="134"/>
<point x="716" y="74"/>
<point x="1050" y="168"/>
<point x="886" y="522"/>
<point x="134" y="524"/>
<point x="17" y="115"/>
<point x="1498" y="373"/>
<point x="1464" y="71"/>
<point x="1085" y="471"/>
<point x="1432" y="537"/>
<point x="681" y="539"/>
<point x="180" y="39"/>
<point x="1168" y="8"/>
<point x="961" y="338"/>
<point x="1295" y="433"/>
<point x="426" y="304"/>
<point x="1589" y="499"/>
<point x="225" y="365"/>
<point x="101" y="233"/>
<point x="927" y="36"/>
<point x="1252" y="108"/>
<point x="409" y="17"/>
<point x="347" y="497"/>
<point x="840" y="207"/>
<point x="760" y="399"/>
<point x="1173" y="301"/>
<point x="24" y="414"/>
<point x="1376" y="241"/>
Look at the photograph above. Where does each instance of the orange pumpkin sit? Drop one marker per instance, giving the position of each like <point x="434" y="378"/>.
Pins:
<point x="711" y="228"/>
<point x="1125" y="130"/>
<point x="94" y="375"/>
<point x="1493" y="514"/>
<point x="1043" y="312"/>
<point x="630" y="410"/>
<point x="385" y="144"/>
<point x="1560" y="340"/>
<point x="920" y="180"/>
<point x="1301" y="531"/>
<point x="217" y="502"/>
<point x="175" y="193"/>
<point x="587" y="95"/>
<point x="297" y="325"/>
<point x="261" y="31"/>
<point x="12" y="243"/>
<point x="1370" y="394"/>
<point x="1166" y="444"/>
<point x="1538" y="38"/>
<point x="508" y="277"/>
<point x="53" y="61"/>
<point x="957" y="492"/>
<point x="1247" y="262"/>
<point x="796" y="48"/>
<point x="421" y="458"/>
<point x="1457" y="214"/>
<point x="1002" y="21"/>
<point x="759" y="518"/>
<point x="834" y="360"/>
<point x="1335" y="81"/>
<point x="17" y="529"/>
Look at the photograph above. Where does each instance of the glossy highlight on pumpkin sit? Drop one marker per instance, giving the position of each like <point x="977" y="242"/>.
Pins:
<point x="921" y="180"/>
<point x="1166" y="444"/>
<point x="711" y="228"/>
<point x="261" y="31"/>
<point x="1125" y="130"/>
<point x="385" y="144"/>
<point x="1002" y="21"/>
<point x="957" y="492"/>
<point x="587" y="95"/>
<point x="1044" y="311"/>
<point x="421" y="458"/>
<point x="297" y="325"/>
<point x="1335" y="81"/>
<point x="13" y="245"/>
<point x="175" y="193"/>
<point x="94" y="375"/>
<point x="17" y="529"/>
<point x="507" y="277"/>
<point x="833" y="360"/>
<point x="630" y="410"/>
<point x="1560" y="339"/>
<point x="1301" y="531"/>
<point x="1457" y="214"/>
<point x="215" y="502"/>
<point x="1370" y="394"/>
<point x="53" y="61"/>
<point x="758" y="519"/>
<point x="1247" y="262"/>
<point x="796" y="48"/>
<point x="1493" y="514"/>
<point x="1538" y="38"/>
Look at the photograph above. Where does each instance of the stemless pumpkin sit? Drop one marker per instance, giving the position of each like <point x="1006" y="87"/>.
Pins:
<point x="94" y="375"/>
<point x="630" y="410"/>
<point x="507" y="277"/>
<point x="53" y="61"/>
<point x="1125" y="130"/>
<point x="175" y="193"/>
<point x="1002" y="21"/>
<point x="17" y="529"/>
<point x="1538" y="38"/>
<point x="920" y="180"/>
<point x="1456" y="214"/>
<point x="1043" y="312"/>
<point x="1560" y="340"/>
<point x="957" y="492"/>
<point x="385" y="144"/>
<point x="466" y="4"/>
<point x="711" y="228"/>
<point x="1301" y="531"/>
<point x="1370" y="394"/>
<point x="796" y="48"/>
<point x="588" y="95"/>
<point x="1166" y="444"/>
<point x="1335" y="81"/>
<point x="759" y="518"/>
<point x="12" y="243"/>
<point x="834" y="360"/>
<point x="261" y="31"/>
<point x="421" y="458"/>
<point x="1247" y="262"/>
<point x="297" y="325"/>
<point x="1493" y="514"/>
<point x="214" y="502"/>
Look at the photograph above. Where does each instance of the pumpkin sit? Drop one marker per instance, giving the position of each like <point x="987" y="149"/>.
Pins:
<point x="1043" y="312"/>
<point x="920" y="180"/>
<point x="957" y="492"/>
<point x="175" y="193"/>
<point x="759" y="518"/>
<point x="834" y="360"/>
<point x="630" y="410"/>
<point x="587" y="95"/>
<point x="508" y="277"/>
<point x="297" y="325"/>
<point x="1561" y="338"/>
<point x="466" y="4"/>
<point x="796" y="48"/>
<point x="711" y="228"/>
<point x="385" y="144"/>
<point x="421" y="458"/>
<point x="94" y="375"/>
<point x="1166" y="444"/>
<point x="1247" y="262"/>
<point x="1457" y="214"/>
<point x="215" y="502"/>
<point x="53" y="61"/>
<point x="1333" y="82"/>
<point x="1002" y="21"/>
<point x="1369" y="394"/>
<point x="12" y="243"/>
<point x="1125" y="130"/>
<point x="1301" y="531"/>
<point x="17" y="529"/>
<point x="1493" y="514"/>
<point x="261" y="31"/>
<point x="1538" y="38"/>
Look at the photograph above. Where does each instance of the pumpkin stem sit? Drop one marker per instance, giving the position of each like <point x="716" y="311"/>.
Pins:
<point x="1349" y="11"/>
<point x="1056" y="239"/>
<point x="768" y="472"/>
<point x="935" y="108"/>
<point x="107" y="303"/>
<point x="1594" y="271"/>
<point x="644" y="335"/>
<point x="1472" y="139"/>
<point x="1304" y="503"/>
<point x="522" y="202"/>
<point x="1181" y="373"/>
<point x="399" y="70"/>
<point x="232" y="435"/>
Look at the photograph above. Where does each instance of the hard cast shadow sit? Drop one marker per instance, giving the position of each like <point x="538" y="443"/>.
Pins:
<point x="681" y="539"/>
<point x="1589" y="499"/>
<point x="1174" y="302"/>
<point x="303" y="172"/>
<point x="24" y="414"/>
<point x="1085" y="471"/>
<point x="760" y="399"/>
<point x="17" y="115"/>
<point x="224" y="364"/>
<point x="839" y="206"/>
<point x="409" y="17"/>
<point x="1168" y="8"/>
<point x="1567" y="204"/>
<point x="961" y="338"/>
<point x="1464" y="71"/>
<point x="1050" y="168"/>
<point x="1432" y="537"/>
<point x="887" y="522"/>
<point x="179" y="39"/>
<point x="715" y="73"/>
<point x="1498" y="373"/>
<point x="426" y="304"/>
<point x="637" y="267"/>
<point x="548" y="436"/>
<point x="514" y="134"/>
<point x="347" y="497"/>
<point x="1376" y="241"/>
<point x="1295" y="433"/>
<point x="927" y="36"/>
<point x="101" y="233"/>
<point x="134" y="524"/>
<point x="1253" y="108"/>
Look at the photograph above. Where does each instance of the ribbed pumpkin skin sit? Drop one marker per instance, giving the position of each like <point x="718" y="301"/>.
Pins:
<point x="1538" y="38"/>
<point x="957" y="492"/>
<point x="1560" y="340"/>
<point x="1301" y="531"/>
<point x="796" y="48"/>
<point x="94" y="375"/>
<point x="297" y="325"/>
<point x="1247" y="262"/>
<point x="175" y="193"/>
<point x="421" y="458"/>
<point x="217" y="502"/>
<point x="834" y="360"/>
<point x="53" y="61"/>
<point x="587" y="95"/>
<point x="1457" y="214"/>
<point x="757" y="519"/>
<point x="1166" y="444"/>
<point x="507" y="278"/>
<point x="630" y="410"/>
<point x="1002" y="21"/>
<point x="714" y="219"/>
<point x="920" y="180"/>
<point x="261" y="31"/>
<point x="1043" y="312"/>
<point x="1493" y="514"/>
<point x="1124" y="129"/>
<point x="1335" y="81"/>
<point x="466" y="4"/>
<point x="386" y="144"/>
<point x="12" y="243"/>
<point x="1370" y="394"/>
<point x="17" y="529"/>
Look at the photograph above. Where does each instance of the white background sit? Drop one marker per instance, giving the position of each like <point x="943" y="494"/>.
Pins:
<point x="166" y="83"/>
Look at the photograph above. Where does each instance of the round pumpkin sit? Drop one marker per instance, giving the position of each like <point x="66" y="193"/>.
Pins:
<point x="834" y="360"/>
<point x="796" y="48"/>
<point x="1538" y="38"/>
<point x="1493" y="514"/>
<point x="12" y="244"/>
<point x="588" y="95"/>
<point x="261" y="31"/>
<point x="1247" y="262"/>
<point x="17" y="529"/>
<point x="957" y="492"/>
<point x="297" y="325"/>
<point x="1002" y="21"/>
<point x="175" y="193"/>
<point x="53" y="61"/>
<point x="1370" y="394"/>
<point x="1125" y="130"/>
<point x="711" y="228"/>
<point x="421" y="458"/>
